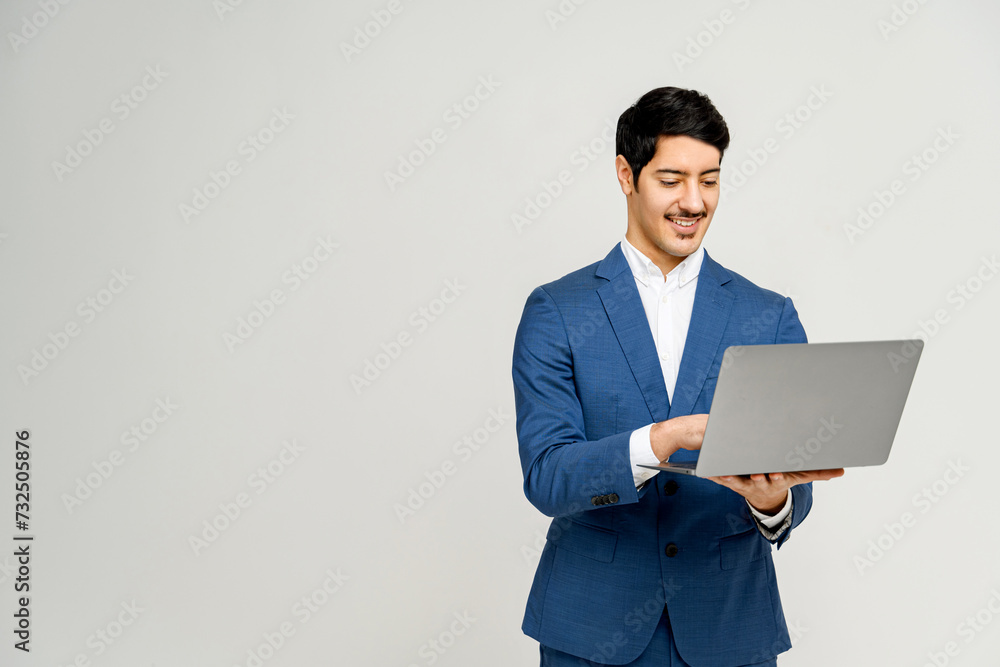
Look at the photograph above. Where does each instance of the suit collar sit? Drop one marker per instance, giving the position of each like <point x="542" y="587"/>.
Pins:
<point x="621" y="302"/>
<point x="613" y="263"/>
<point x="712" y="305"/>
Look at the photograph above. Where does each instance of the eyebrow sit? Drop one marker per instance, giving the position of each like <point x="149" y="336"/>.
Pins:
<point x="684" y="173"/>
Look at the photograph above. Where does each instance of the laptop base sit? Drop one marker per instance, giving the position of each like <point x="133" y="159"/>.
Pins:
<point x="685" y="468"/>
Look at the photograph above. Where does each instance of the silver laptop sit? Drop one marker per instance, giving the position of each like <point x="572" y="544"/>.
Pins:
<point x="808" y="406"/>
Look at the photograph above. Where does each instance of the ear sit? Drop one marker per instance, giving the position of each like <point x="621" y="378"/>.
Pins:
<point x="624" y="172"/>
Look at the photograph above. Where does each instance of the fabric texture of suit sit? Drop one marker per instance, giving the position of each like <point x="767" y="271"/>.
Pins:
<point x="586" y="375"/>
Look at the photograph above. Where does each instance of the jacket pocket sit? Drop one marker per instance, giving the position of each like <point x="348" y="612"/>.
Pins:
<point x="585" y="540"/>
<point x="743" y="548"/>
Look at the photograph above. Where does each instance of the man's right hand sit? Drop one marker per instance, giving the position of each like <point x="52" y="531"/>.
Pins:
<point x="685" y="432"/>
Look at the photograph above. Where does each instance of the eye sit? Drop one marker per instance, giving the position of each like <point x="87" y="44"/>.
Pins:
<point x="710" y="184"/>
<point x="668" y="183"/>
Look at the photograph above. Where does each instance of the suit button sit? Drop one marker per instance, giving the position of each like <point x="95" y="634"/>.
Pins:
<point x="596" y="500"/>
<point x="613" y="498"/>
<point x="671" y="550"/>
<point x="670" y="488"/>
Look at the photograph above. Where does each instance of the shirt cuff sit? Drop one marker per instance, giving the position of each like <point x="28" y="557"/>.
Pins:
<point x="641" y="451"/>
<point x="772" y="527"/>
<point x="777" y="519"/>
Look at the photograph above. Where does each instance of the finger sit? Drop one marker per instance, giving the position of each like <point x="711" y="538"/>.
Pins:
<point x="826" y="474"/>
<point x="807" y="476"/>
<point x="729" y="481"/>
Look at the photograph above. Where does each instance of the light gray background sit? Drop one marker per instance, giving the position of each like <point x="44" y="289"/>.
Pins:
<point x="471" y="548"/>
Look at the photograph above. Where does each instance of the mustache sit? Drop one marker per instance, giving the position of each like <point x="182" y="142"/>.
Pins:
<point x="686" y="214"/>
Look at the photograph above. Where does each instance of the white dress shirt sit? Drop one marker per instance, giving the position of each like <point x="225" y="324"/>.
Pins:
<point x="668" y="301"/>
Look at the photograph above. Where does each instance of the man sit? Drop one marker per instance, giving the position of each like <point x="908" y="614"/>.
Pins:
<point x="615" y="365"/>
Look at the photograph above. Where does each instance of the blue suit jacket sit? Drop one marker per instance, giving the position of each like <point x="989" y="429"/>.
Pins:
<point x="586" y="375"/>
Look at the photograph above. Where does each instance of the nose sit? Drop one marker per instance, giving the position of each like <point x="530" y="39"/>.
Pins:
<point x="691" y="201"/>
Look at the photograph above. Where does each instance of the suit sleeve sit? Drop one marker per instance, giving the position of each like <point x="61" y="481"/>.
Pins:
<point x="790" y="331"/>
<point x="564" y="473"/>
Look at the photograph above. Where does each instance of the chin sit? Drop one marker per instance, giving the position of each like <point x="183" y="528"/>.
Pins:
<point x="688" y="239"/>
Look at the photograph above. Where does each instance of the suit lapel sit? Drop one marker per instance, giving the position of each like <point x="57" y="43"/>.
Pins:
<point x="628" y="319"/>
<point x="712" y="306"/>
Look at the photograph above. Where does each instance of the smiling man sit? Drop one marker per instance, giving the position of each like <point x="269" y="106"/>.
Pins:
<point x="615" y="366"/>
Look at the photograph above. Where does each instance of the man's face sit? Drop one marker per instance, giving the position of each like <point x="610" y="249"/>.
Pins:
<point x="678" y="193"/>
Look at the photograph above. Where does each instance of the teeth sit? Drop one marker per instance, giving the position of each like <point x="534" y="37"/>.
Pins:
<point x="682" y="223"/>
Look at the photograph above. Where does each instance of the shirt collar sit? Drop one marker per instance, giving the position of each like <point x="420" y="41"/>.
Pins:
<point x="646" y="272"/>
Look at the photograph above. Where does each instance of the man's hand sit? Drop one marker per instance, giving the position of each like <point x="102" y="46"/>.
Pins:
<point x="767" y="492"/>
<point x="685" y="432"/>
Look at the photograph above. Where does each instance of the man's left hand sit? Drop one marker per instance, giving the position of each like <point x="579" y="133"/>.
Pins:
<point x="767" y="492"/>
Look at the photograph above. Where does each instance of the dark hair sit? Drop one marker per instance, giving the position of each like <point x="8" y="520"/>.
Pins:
<point x="665" y="112"/>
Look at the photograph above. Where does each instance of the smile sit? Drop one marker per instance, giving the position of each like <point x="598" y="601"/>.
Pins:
<point x="684" y="222"/>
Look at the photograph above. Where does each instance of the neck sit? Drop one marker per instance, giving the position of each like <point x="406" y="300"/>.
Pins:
<point x="664" y="261"/>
